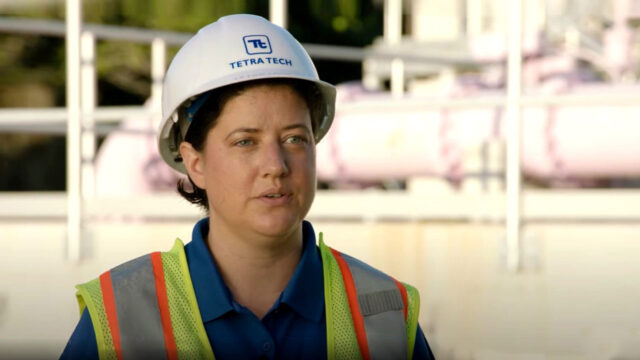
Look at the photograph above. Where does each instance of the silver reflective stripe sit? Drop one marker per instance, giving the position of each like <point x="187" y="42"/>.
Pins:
<point x="381" y="306"/>
<point x="134" y="290"/>
<point x="380" y="301"/>
<point x="386" y="335"/>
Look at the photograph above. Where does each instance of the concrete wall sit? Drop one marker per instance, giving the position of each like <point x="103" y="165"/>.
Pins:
<point x="576" y="298"/>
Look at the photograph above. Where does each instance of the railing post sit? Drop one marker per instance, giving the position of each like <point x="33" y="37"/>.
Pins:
<point x="393" y="35"/>
<point x="397" y="77"/>
<point x="278" y="12"/>
<point x="88" y="101"/>
<point x="74" y="194"/>
<point x="158" y="68"/>
<point x="514" y="93"/>
<point x="392" y="21"/>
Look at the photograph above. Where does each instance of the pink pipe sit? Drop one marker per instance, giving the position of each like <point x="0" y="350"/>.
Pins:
<point x="559" y="142"/>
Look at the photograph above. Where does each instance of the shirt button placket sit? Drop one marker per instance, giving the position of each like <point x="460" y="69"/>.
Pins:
<point x="267" y="349"/>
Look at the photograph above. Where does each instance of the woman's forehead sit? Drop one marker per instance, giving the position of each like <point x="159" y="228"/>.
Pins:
<point x="266" y="105"/>
<point x="269" y="87"/>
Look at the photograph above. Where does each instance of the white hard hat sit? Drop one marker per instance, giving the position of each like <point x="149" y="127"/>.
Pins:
<point x="236" y="48"/>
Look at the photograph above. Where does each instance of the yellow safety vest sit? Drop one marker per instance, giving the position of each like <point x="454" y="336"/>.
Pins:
<point x="147" y="308"/>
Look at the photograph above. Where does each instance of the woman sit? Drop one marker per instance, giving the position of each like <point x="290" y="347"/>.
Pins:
<point x="243" y="109"/>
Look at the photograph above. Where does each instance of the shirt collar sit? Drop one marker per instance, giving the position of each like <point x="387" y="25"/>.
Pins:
<point x="304" y="293"/>
<point x="214" y="298"/>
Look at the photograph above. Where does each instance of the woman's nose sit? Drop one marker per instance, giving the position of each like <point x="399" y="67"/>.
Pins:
<point x="274" y="161"/>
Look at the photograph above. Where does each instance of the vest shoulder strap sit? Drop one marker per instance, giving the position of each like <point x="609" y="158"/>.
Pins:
<point x="377" y="312"/>
<point x="413" y="309"/>
<point x="146" y="308"/>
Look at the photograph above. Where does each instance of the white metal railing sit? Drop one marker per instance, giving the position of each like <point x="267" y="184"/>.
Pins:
<point x="74" y="129"/>
<point x="82" y="119"/>
<point x="538" y="206"/>
<point x="278" y="12"/>
<point x="514" y="110"/>
<point x="42" y="27"/>
<point x="54" y="119"/>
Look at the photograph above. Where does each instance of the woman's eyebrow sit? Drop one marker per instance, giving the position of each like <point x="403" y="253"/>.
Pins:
<point x="247" y="130"/>
<point x="297" y="126"/>
<point x="254" y="130"/>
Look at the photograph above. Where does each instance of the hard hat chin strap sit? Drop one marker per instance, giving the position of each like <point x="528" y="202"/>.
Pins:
<point x="193" y="108"/>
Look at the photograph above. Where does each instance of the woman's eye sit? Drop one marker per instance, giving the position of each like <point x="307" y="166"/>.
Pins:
<point x="243" y="142"/>
<point x="296" y="139"/>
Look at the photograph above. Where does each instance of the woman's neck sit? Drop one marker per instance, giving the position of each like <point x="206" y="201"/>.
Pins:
<point x="255" y="270"/>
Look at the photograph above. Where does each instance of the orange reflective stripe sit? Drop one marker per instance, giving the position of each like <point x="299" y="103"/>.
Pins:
<point x="163" y="305"/>
<point x="352" y="296"/>
<point x="403" y="292"/>
<point x="110" y="308"/>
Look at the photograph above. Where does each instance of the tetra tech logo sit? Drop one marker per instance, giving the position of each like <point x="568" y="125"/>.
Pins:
<point x="257" y="44"/>
<point x="254" y="45"/>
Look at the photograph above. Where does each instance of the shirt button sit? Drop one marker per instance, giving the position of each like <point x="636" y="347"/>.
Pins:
<point x="266" y="346"/>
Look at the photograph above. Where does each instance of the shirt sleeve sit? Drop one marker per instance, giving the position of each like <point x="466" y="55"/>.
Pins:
<point x="82" y="344"/>
<point x="421" y="349"/>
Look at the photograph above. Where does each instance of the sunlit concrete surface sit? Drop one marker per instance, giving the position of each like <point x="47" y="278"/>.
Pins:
<point x="576" y="296"/>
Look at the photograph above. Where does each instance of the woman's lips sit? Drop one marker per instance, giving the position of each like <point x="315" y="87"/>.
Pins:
<point x="271" y="200"/>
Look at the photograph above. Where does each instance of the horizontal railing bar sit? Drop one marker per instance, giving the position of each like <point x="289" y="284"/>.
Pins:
<point x="61" y="129"/>
<point x="30" y="26"/>
<point x="21" y="118"/>
<point x="413" y="104"/>
<point x="348" y="53"/>
<point x="57" y="28"/>
<point x="538" y="205"/>
<point x="9" y="116"/>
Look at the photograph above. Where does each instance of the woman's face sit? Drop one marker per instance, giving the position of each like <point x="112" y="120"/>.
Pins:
<point x="258" y="163"/>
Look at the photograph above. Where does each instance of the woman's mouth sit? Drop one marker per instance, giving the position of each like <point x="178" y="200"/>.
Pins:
<point x="275" y="199"/>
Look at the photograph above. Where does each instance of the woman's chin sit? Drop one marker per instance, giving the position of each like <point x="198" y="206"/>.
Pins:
<point x="277" y="227"/>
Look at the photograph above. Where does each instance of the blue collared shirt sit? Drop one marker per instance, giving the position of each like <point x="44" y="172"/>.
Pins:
<point x="293" y="328"/>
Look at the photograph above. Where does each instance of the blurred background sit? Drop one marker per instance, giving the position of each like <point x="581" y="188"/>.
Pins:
<point x="486" y="151"/>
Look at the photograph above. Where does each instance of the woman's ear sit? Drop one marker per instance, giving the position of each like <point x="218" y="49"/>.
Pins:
<point x="192" y="160"/>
